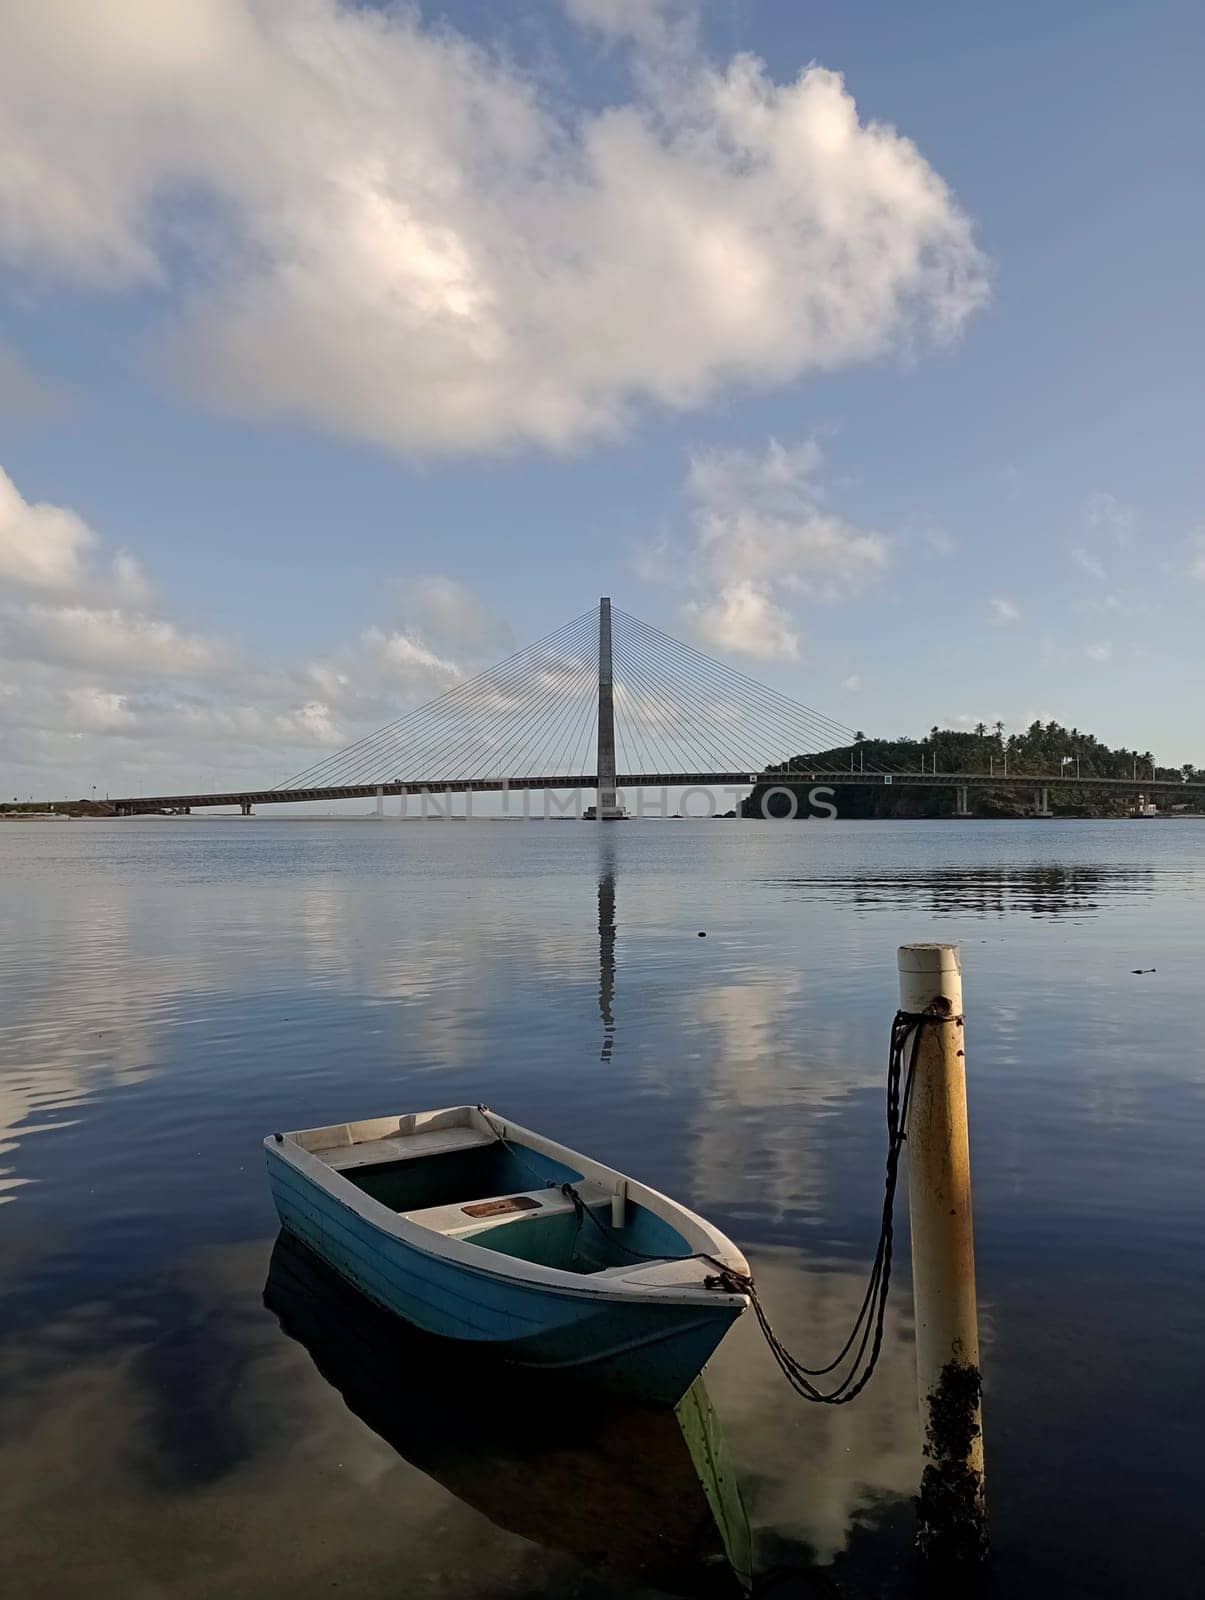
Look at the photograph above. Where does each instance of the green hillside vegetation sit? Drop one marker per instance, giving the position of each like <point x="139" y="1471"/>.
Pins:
<point x="1043" y="749"/>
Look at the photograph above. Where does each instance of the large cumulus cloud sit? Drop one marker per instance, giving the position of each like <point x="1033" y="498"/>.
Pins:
<point x="362" y="220"/>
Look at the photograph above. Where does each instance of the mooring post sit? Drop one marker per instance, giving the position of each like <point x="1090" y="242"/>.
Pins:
<point x="951" y="1512"/>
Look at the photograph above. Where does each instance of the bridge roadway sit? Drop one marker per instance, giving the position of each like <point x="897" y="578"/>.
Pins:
<point x="133" y="805"/>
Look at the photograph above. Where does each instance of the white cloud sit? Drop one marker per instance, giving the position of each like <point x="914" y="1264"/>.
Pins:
<point x="378" y="228"/>
<point x="447" y="611"/>
<point x="92" y="710"/>
<point x="1099" y="652"/>
<point x="852" y="684"/>
<point x="762" y="542"/>
<point x="1003" y="610"/>
<point x="656" y="25"/>
<point x="96" y="683"/>
<point x="84" y="636"/>
<point x="1108" y="514"/>
<point x="1108" y="528"/>
<point x="741" y="619"/>
<point x="41" y="546"/>
<point x="410" y="656"/>
<point x="1196" y="566"/>
<point x="1087" y="562"/>
<point x="50" y="551"/>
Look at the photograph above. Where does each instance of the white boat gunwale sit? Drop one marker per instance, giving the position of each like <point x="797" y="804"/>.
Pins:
<point x="625" y="1284"/>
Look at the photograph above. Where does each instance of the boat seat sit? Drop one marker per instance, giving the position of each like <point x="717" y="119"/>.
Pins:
<point x="478" y="1216"/>
<point x="404" y="1147"/>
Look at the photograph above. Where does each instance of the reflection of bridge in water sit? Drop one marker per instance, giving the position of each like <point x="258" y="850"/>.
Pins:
<point x="1043" y="889"/>
<point x="606" y="952"/>
<point x="611" y="705"/>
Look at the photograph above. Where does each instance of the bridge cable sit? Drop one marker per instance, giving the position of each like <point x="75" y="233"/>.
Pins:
<point x="704" y="663"/>
<point x="774" y="714"/>
<point x="537" y="712"/>
<point x="776" y="737"/>
<point x="444" y="700"/>
<point x="762" y="719"/>
<point x="648" y="684"/>
<point x="520" y="686"/>
<point x="648" y="709"/>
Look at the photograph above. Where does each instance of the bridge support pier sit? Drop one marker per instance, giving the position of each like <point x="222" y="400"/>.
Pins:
<point x="1041" y="803"/>
<point x="245" y="807"/>
<point x="380" y="801"/>
<point x="962" y="806"/>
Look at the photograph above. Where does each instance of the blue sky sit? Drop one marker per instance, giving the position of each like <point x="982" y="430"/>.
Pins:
<point x="255" y="335"/>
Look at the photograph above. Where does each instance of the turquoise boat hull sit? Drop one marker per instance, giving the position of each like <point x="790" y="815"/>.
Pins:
<point x="640" y="1328"/>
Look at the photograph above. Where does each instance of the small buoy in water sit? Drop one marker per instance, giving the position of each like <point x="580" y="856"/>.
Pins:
<point x="702" y="935"/>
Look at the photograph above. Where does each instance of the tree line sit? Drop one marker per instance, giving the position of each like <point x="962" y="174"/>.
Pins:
<point x="1044" y="749"/>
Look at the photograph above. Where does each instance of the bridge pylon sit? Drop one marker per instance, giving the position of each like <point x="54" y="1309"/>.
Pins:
<point x="606" y="809"/>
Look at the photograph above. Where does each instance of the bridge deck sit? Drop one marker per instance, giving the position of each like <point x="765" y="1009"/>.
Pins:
<point x="144" y="804"/>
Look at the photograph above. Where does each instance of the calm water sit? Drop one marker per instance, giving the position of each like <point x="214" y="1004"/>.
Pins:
<point x="175" y="989"/>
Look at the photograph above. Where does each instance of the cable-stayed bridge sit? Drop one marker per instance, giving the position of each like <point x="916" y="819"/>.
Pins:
<point x="609" y="704"/>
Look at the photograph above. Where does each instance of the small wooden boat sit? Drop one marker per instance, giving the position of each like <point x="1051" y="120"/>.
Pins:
<point x="473" y="1228"/>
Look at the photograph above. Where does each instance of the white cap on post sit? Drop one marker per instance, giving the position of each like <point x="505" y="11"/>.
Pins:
<point x="930" y="973"/>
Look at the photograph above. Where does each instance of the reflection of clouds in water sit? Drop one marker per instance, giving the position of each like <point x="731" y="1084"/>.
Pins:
<point x="73" y="1027"/>
<point x="194" y="1450"/>
<point x="134" y="958"/>
<point x="809" y="1472"/>
<point x="1043" y="889"/>
<point x="619" y="1486"/>
<point x="766" y="1083"/>
<point x="769" y="1079"/>
<point x="455" y="981"/>
<point x="303" y="1499"/>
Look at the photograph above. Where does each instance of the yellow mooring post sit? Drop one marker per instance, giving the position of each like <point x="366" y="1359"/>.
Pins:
<point x="951" y="1513"/>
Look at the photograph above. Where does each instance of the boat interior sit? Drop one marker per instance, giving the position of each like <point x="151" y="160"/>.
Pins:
<point x="443" y="1171"/>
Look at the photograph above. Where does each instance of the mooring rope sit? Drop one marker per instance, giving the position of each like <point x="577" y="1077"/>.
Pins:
<point x="867" y="1331"/>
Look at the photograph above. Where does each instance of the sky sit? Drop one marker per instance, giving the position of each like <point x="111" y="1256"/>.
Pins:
<point x="345" y="348"/>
